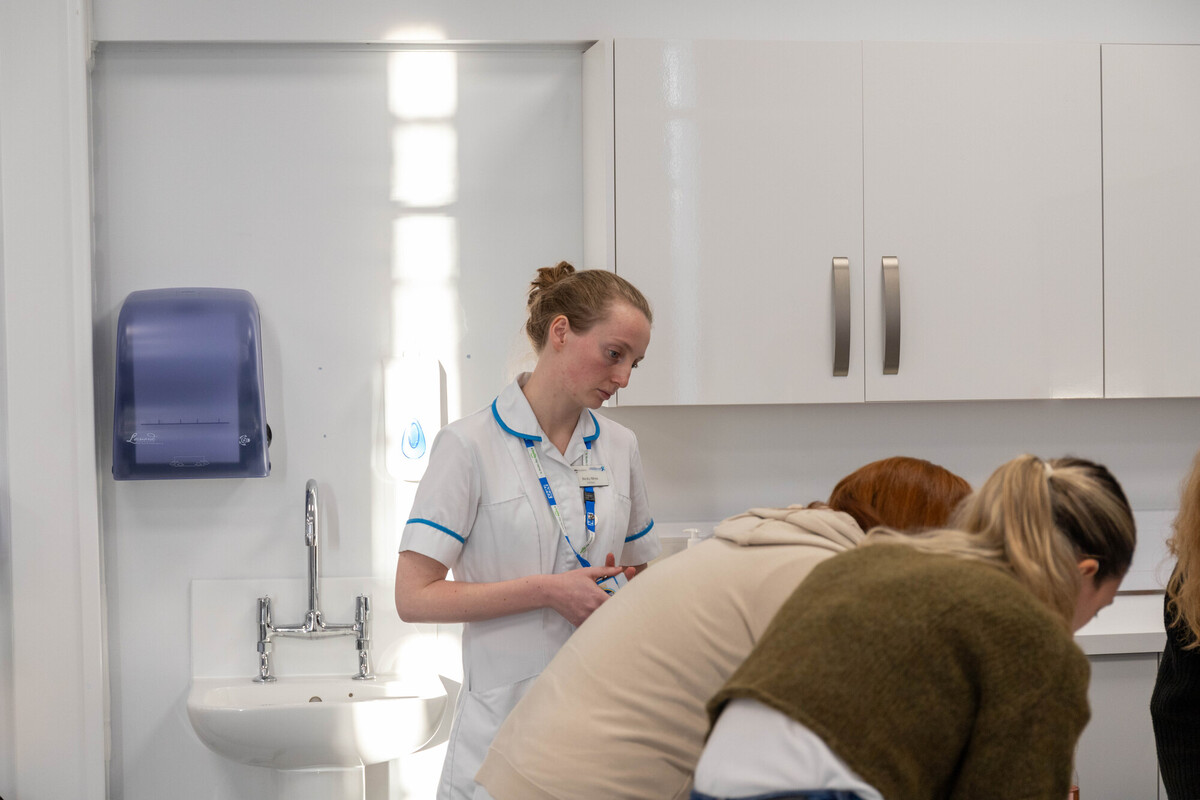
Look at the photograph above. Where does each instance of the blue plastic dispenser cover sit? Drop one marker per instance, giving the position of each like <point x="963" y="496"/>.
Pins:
<point x="189" y="386"/>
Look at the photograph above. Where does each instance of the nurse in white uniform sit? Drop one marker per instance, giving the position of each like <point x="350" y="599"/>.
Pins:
<point x="532" y="502"/>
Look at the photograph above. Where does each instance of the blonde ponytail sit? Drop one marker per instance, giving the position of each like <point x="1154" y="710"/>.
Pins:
<point x="1036" y="520"/>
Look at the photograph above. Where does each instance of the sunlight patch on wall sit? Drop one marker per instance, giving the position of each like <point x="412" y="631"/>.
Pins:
<point x="421" y="379"/>
<point x="425" y="249"/>
<point x="423" y="85"/>
<point x="423" y="99"/>
<point x="425" y="164"/>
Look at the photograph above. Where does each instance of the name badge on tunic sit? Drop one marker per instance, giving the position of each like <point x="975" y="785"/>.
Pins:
<point x="591" y="475"/>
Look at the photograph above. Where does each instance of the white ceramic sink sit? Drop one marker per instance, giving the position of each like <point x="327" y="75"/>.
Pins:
<point x="307" y="723"/>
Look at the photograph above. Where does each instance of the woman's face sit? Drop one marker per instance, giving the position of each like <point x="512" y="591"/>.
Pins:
<point x="1092" y="597"/>
<point x="598" y="362"/>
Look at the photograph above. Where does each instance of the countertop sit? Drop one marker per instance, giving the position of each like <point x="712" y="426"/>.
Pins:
<point x="1132" y="624"/>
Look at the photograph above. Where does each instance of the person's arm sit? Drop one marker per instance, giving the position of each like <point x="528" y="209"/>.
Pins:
<point x="423" y="594"/>
<point x="641" y="540"/>
<point x="1174" y="713"/>
<point x="755" y="750"/>
<point x="1023" y="743"/>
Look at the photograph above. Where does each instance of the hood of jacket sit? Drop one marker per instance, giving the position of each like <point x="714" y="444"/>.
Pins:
<point x="815" y="527"/>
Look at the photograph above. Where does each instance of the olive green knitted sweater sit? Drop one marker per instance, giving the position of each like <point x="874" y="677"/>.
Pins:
<point x="931" y="676"/>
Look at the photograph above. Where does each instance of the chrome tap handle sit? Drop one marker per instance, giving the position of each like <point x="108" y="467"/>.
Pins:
<point x="264" y="618"/>
<point x="312" y="539"/>
<point x="362" y="623"/>
<point x="264" y="641"/>
<point x="364" y="666"/>
<point x="264" y="669"/>
<point x="311" y="521"/>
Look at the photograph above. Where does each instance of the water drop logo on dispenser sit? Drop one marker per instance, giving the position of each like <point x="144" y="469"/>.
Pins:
<point x="413" y="444"/>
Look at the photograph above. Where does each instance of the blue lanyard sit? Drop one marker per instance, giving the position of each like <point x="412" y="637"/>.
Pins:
<point x="589" y="508"/>
<point x="589" y="503"/>
<point x="589" y="512"/>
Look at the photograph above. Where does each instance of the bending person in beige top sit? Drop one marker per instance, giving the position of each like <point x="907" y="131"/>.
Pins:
<point x="619" y="712"/>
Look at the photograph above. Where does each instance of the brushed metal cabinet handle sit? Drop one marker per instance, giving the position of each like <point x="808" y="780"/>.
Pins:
<point x="841" y="317"/>
<point x="891" y="315"/>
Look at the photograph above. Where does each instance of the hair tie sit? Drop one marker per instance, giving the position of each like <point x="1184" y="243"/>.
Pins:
<point x="1049" y="469"/>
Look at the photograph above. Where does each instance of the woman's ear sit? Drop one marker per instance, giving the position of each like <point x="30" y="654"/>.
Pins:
<point x="1088" y="567"/>
<point x="559" y="328"/>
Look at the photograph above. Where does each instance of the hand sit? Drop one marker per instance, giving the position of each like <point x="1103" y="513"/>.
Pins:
<point x="611" y="561"/>
<point x="576" y="594"/>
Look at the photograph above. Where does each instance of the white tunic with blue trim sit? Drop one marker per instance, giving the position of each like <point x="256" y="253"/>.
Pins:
<point x="481" y="511"/>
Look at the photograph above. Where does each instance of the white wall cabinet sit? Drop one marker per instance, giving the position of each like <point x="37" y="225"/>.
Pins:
<point x="742" y="170"/>
<point x="1151" y="239"/>
<point x="982" y="177"/>
<point x="738" y="181"/>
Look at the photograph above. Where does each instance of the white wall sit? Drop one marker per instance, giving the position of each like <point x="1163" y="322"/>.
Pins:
<point x="704" y="463"/>
<point x="7" y="765"/>
<point x="57" y="690"/>
<point x="288" y="172"/>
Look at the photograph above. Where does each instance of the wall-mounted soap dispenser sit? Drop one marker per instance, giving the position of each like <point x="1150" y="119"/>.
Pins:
<point x="189" y="386"/>
<point x="413" y="400"/>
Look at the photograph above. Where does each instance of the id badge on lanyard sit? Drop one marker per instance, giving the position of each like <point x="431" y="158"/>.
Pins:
<point x="589" y="478"/>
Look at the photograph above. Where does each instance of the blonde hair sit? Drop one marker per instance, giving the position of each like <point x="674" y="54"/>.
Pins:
<point x="1036" y="520"/>
<point x="583" y="297"/>
<point x="1183" y="589"/>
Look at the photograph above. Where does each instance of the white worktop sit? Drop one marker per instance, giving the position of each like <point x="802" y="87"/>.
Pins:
<point x="1132" y="624"/>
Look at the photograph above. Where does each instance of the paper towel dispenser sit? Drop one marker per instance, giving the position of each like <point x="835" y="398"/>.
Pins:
<point x="189" y="399"/>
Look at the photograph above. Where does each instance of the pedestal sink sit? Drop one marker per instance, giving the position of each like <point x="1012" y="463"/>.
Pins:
<point x="318" y="731"/>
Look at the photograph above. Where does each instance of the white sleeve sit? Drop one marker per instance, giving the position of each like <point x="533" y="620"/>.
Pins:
<point x="443" y="512"/>
<point x="641" y="541"/>
<point x="755" y="750"/>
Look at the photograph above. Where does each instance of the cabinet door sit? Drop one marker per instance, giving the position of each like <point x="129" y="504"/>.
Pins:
<point x="738" y="182"/>
<point x="1151" y="239"/>
<point x="1115" y="759"/>
<point x="982" y="178"/>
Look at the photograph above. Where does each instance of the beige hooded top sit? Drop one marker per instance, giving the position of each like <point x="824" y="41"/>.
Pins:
<point x="619" y="712"/>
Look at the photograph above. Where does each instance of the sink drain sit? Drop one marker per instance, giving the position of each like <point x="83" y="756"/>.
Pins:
<point x="314" y="699"/>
